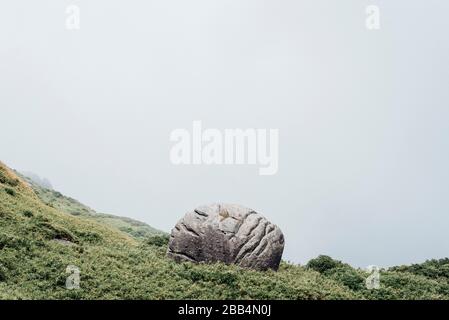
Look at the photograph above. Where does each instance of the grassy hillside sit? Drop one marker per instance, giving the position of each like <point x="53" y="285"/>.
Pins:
<point x="38" y="242"/>
<point x="71" y="206"/>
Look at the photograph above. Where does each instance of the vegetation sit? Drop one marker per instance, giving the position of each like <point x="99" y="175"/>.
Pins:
<point x="39" y="241"/>
<point x="433" y="269"/>
<point x="71" y="206"/>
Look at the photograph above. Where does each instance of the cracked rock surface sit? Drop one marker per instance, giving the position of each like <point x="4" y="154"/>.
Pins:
<point x="227" y="233"/>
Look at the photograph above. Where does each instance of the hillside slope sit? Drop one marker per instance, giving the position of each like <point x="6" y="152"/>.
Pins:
<point x="38" y="242"/>
<point x="57" y="200"/>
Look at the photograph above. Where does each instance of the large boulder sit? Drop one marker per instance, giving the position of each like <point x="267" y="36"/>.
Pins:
<point x="227" y="233"/>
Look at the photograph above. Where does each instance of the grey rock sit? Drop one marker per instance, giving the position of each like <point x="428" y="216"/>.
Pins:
<point x="227" y="233"/>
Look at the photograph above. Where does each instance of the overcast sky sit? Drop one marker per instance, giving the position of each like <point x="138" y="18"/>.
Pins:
<point x="362" y="115"/>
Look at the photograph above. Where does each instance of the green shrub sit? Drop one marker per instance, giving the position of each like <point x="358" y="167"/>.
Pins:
<point x="7" y="180"/>
<point x="348" y="277"/>
<point x="433" y="269"/>
<point x="51" y="231"/>
<point x="10" y="191"/>
<point x="57" y="194"/>
<point x="28" y="214"/>
<point x="158" y="240"/>
<point x="323" y="263"/>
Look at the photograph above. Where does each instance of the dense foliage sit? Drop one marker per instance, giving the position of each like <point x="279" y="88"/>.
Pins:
<point x="38" y="242"/>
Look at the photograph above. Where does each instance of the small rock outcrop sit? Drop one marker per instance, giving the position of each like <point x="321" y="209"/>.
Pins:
<point x="227" y="233"/>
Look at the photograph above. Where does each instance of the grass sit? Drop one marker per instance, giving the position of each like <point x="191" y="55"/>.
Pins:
<point x="38" y="242"/>
<point x="71" y="206"/>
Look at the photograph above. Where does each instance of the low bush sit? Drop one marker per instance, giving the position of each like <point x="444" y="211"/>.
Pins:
<point x="10" y="191"/>
<point x="157" y="240"/>
<point x="323" y="263"/>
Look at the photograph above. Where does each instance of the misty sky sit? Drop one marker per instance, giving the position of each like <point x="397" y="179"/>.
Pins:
<point x="362" y="115"/>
